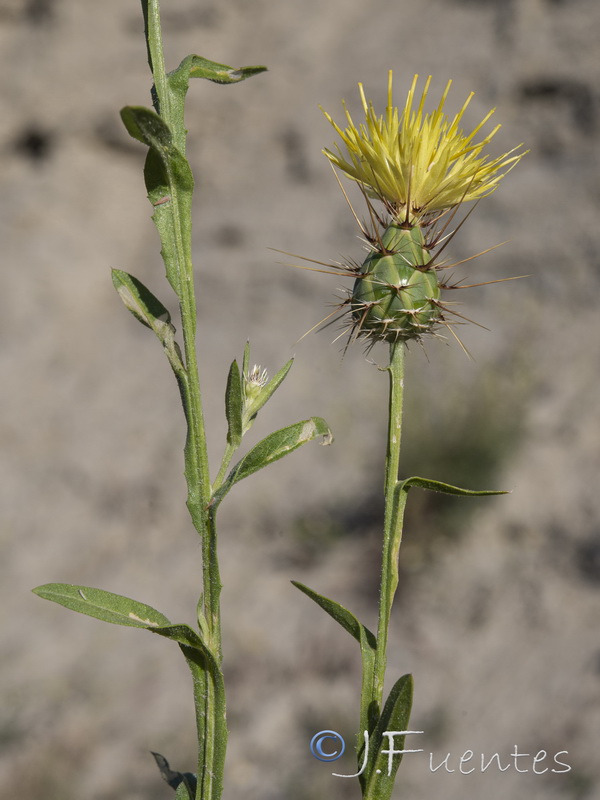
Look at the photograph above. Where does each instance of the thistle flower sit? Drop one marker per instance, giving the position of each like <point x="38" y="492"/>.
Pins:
<point x="419" y="163"/>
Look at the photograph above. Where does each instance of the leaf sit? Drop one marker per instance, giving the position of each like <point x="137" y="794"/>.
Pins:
<point x="141" y="302"/>
<point x="174" y="778"/>
<point x="246" y="359"/>
<point x="178" y="81"/>
<point x="145" y="125"/>
<point x="120" y="610"/>
<point x="169" y="183"/>
<point x="146" y="308"/>
<point x="379" y="778"/>
<point x="366" y="639"/>
<point x="340" y="614"/>
<point x="197" y="67"/>
<point x="103" y="605"/>
<point x="234" y="401"/>
<point x="272" y="448"/>
<point x="438" y="486"/>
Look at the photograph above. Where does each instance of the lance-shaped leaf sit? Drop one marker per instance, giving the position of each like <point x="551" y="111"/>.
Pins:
<point x="149" y="311"/>
<point x="194" y="66"/>
<point x="103" y="605"/>
<point x="199" y="67"/>
<point x="445" y="488"/>
<point x="175" y="778"/>
<point x="234" y="401"/>
<point x="378" y="778"/>
<point x="272" y="448"/>
<point x="142" y="303"/>
<point x="340" y="614"/>
<point x="366" y="639"/>
<point x="120" y="610"/>
<point x="246" y="359"/>
<point x="169" y="183"/>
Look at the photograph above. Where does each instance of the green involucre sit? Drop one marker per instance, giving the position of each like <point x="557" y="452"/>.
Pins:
<point x="396" y="297"/>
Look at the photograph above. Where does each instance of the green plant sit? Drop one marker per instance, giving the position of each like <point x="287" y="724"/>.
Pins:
<point x="169" y="185"/>
<point x="421" y="167"/>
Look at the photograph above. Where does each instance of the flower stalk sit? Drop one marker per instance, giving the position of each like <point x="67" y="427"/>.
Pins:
<point x="395" y="502"/>
<point x="421" y="167"/>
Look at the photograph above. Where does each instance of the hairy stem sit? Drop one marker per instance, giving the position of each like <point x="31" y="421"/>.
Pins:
<point x="210" y="705"/>
<point x="394" y="512"/>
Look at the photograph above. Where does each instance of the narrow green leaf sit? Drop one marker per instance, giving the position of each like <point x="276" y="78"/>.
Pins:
<point x="246" y="359"/>
<point x="120" y="610"/>
<point x="445" y="488"/>
<point x="169" y="183"/>
<point x="175" y="778"/>
<point x="366" y="639"/>
<point x="368" y="646"/>
<point x="272" y="448"/>
<point x="103" y="605"/>
<point x="150" y="312"/>
<point x="378" y="779"/>
<point x="145" y="125"/>
<point x="141" y="302"/>
<point x="198" y="67"/>
<point x="340" y="614"/>
<point x="234" y="401"/>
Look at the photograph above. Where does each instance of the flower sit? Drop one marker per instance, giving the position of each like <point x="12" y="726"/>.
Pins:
<point x="257" y="378"/>
<point x="419" y="163"/>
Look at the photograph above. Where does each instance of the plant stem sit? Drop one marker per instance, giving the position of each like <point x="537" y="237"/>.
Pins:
<point x="196" y="455"/>
<point x="225" y="462"/>
<point x="394" y="512"/>
<point x="209" y="702"/>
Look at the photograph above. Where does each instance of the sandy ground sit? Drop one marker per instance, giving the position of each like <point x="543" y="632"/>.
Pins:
<point x="497" y="616"/>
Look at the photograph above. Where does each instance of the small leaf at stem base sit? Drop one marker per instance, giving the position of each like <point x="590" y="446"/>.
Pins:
<point x="378" y="780"/>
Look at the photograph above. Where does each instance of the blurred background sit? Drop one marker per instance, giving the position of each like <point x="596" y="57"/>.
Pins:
<point x="499" y="601"/>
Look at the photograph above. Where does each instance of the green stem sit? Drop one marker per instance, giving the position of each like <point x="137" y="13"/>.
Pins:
<point x="196" y="455"/>
<point x="225" y="462"/>
<point x="394" y="512"/>
<point x="156" y="59"/>
<point x="210" y="703"/>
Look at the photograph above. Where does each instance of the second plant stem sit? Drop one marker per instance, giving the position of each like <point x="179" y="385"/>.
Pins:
<point x="395" y="501"/>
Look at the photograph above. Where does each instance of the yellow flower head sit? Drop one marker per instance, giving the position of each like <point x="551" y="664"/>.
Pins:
<point x="419" y="163"/>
